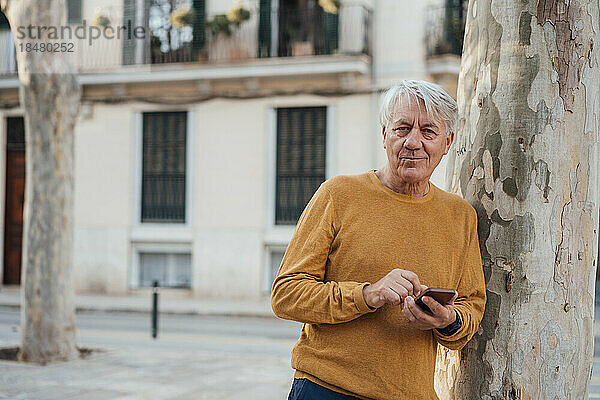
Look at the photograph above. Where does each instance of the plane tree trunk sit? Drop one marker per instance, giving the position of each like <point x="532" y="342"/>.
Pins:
<point x="526" y="158"/>
<point x="49" y="94"/>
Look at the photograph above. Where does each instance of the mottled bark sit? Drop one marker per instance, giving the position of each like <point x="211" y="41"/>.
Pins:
<point x="526" y="158"/>
<point x="49" y="94"/>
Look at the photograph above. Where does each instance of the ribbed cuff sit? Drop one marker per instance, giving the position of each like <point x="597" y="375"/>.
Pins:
<point x="453" y="327"/>
<point x="359" y="299"/>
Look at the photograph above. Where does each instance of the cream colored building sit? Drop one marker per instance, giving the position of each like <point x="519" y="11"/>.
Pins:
<point x="195" y="155"/>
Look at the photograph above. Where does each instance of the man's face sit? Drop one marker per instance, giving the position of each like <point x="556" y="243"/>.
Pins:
<point x="414" y="142"/>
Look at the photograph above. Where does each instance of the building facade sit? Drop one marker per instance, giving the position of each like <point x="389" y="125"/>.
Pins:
<point x="200" y="142"/>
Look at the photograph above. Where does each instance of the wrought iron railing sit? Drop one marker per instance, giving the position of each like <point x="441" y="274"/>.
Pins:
<point x="291" y="33"/>
<point x="163" y="198"/>
<point x="445" y="28"/>
<point x="315" y="32"/>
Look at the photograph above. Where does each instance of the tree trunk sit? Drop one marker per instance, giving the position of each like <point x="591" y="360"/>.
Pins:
<point x="49" y="94"/>
<point x="526" y="159"/>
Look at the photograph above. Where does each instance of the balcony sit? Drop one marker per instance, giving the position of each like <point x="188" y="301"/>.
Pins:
<point x="444" y="35"/>
<point x="270" y="37"/>
<point x="445" y="28"/>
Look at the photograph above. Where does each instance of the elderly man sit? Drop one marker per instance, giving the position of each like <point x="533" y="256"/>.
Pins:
<point x="365" y="246"/>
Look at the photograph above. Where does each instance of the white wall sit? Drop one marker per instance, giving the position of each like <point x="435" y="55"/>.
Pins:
<point x="398" y="40"/>
<point x="103" y="154"/>
<point x="354" y="137"/>
<point x="231" y="228"/>
<point x="229" y="198"/>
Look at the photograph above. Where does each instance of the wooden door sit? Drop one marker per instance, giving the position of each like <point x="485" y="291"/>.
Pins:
<point x="14" y="200"/>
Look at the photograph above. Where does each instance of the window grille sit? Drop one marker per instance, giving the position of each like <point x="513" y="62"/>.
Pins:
<point x="163" y="167"/>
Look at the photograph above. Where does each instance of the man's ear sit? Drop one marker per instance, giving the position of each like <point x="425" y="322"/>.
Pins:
<point x="449" y="140"/>
<point x="383" y="134"/>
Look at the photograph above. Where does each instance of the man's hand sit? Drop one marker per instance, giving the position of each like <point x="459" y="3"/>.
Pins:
<point x="440" y="317"/>
<point x="392" y="288"/>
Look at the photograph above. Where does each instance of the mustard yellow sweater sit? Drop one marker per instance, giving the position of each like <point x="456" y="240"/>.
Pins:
<point x="353" y="232"/>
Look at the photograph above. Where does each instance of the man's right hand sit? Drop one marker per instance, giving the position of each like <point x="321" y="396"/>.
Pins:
<point x="392" y="288"/>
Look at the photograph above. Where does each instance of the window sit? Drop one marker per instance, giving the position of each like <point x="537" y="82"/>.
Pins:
<point x="163" y="167"/>
<point x="73" y="11"/>
<point x="445" y="27"/>
<point x="305" y="28"/>
<point x="172" y="42"/>
<point x="15" y="133"/>
<point x="300" y="160"/>
<point x="4" y="25"/>
<point x="169" y="269"/>
<point x="275" y="256"/>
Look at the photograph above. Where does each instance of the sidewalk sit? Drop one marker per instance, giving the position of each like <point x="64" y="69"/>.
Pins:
<point x="149" y="371"/>
<point x="169" y="302"/>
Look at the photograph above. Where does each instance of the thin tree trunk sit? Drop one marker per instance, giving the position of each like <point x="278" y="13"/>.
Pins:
<point x="49" y="94"/>
<point x="526" y="158"/>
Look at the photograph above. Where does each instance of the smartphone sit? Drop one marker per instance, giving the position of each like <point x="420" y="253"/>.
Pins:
<point x="442" y="296"/>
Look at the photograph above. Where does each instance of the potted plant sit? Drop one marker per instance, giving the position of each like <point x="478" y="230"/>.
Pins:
<point x="220" y="27"/>
<point x="100" y="19"/>
<point x="238" y="14"/>
<point x="219" y="24"/>
<point x="330" y="6"/>
<point x="182" y="17"/>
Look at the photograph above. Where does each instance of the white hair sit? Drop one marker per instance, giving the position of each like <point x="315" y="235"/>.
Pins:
<point x="438" y="104"/>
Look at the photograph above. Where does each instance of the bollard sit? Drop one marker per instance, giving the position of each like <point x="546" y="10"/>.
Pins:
<point x="154" y="309"/>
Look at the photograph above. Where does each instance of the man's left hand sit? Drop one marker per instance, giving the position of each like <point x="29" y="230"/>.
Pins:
<point x="440" y="317"/>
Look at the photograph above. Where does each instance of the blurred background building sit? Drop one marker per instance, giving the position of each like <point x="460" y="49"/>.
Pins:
<point x="200" y="142"/>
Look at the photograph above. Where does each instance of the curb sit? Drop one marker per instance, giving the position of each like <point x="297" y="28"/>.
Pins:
<point x="208" y="313"/>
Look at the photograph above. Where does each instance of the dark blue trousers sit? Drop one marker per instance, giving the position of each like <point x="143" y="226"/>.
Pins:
<point x="303" y="389"/>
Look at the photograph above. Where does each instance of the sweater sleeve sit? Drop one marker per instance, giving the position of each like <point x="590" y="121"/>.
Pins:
<point x="299" y="292"/>
<point x="470" y="303"/>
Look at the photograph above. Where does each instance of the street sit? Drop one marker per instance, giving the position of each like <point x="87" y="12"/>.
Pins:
<point x="193" y="357"/>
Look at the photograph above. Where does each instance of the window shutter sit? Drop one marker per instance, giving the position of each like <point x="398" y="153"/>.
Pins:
<point x="128" y="39"/>
<point x="163" y="167"/>
<point x="300" y="159"/>
<point x="73" y="11"/>
<point x="4" y="25"/>
<point x="264" y="29"/>
<point x="15" y="133"/>
<point x="454" y="25"/>
<point x="199" y="30"/>
<point x="331" y="22"/>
